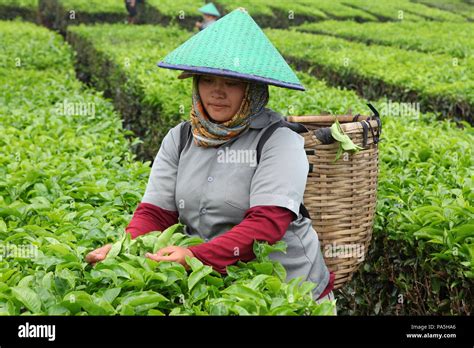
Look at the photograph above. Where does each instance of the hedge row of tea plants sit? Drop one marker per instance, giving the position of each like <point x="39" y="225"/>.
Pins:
<point x="358" y="10"/>
<point x="69" y="183"/>
<point x="431" y="37"/>
<point x="403" y="10"/>
<point x="282" y="13"/>
<point x="59" y="14"/>
<point x="183" y="12"/>
<point x="121" y="60"/>
<point x="438" y="82"/>
<point x="333" y="10"/>
<point x="25" y="9"/>
<point x="461" y="7"/>
<point x="276" y="14"/>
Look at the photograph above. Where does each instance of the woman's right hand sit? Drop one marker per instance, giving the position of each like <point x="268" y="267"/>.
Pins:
<point x="98" y="254"/>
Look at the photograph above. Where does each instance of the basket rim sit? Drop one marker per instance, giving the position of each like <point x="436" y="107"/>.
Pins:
<point x="318" y="119"/>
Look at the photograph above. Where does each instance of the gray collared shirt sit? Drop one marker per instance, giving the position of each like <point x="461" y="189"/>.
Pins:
<point x="212" y="187"/>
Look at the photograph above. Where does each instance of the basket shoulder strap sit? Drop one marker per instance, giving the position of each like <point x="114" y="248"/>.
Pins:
<point x="294" y="126"/>
<point x="267" y="134"/>
<point x="184" y="134"/>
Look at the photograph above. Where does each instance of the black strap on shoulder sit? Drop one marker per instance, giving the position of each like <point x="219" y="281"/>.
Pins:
<point x="297" y="127"/>
<point x="265" y="136"/>
<point x="294" y="126"/>
<point x="184" y="136"/>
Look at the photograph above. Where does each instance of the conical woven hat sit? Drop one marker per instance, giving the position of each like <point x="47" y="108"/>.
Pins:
<point x="234" y="47"/>
<point x="210" y="9"/>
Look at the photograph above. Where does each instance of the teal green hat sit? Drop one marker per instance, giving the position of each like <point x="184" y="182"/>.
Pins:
<point x="210" y="9"/>
<point x="234" y="47"/>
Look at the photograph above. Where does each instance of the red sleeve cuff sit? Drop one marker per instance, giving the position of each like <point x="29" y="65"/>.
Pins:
<point x="330" y="286"/>
<point x="148" y="217"/>
<point x="261" y="223"/>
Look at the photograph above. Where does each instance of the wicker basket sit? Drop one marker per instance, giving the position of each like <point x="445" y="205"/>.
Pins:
<point x="341" y="196"/>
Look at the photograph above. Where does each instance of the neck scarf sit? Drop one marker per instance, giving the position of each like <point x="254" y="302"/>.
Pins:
<point x="208" y="133"/>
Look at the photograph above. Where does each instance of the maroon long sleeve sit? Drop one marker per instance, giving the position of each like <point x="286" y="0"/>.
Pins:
<point x="148" y="217"/>
<point x="262" y="223"/>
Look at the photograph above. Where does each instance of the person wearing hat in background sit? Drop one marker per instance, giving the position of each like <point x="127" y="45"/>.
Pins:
<point x="227" y="201"/>
<point x="210" y="15"/>
<point x="132" y="9"/>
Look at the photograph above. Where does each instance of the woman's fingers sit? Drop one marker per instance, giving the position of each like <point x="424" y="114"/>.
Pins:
<point x="166" y="250"/>
<point x="97" y="257"/>
<point x="161" y="258"/>
<point x="92" y="256"/>
<point x="102" y="252"/>
<point x="98" y="254"/>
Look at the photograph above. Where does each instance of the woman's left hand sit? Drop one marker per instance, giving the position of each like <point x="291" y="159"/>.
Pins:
<point x="172" y="253"/>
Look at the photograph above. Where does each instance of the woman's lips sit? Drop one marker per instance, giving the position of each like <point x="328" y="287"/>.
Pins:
<point x="216" y="106"/>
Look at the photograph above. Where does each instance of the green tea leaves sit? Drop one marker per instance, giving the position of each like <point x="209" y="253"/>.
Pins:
<point x="345" y="143"/>
<point x="198" y="274"/>
<point x="28" y="297"/>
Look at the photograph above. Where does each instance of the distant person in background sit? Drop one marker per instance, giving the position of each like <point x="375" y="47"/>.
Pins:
<point x="210" y="15"/>
<point x="132" y="10"/>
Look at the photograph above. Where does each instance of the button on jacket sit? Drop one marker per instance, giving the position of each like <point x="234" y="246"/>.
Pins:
<point x="212" y="187"/>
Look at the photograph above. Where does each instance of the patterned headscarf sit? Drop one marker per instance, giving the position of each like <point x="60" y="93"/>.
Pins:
<point x="207" y="133"/>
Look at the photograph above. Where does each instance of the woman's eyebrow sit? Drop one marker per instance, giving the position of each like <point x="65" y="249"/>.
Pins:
<point x="234" y="80"/>
<point x="225" y="79"/>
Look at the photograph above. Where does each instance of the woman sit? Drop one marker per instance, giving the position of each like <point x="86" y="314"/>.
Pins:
<point x="210" y="15"/>
<point x="214" y="186"/>
<point x="132" y="9"/>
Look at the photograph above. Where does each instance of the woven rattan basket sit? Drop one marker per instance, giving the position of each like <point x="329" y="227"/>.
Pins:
<point x="341" y="196"/>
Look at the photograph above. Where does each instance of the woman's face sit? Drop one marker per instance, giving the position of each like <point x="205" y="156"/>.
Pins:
<point x="208" y="18"/>
<point x="221" y="97"/>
